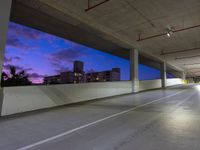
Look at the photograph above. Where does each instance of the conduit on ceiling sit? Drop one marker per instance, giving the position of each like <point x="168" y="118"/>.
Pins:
<point x="164" y="34"/>
<point x="195" y="71"/>
<point x="90" y="7"/>
<point x="185" y="57"/>
<point x="192" y="64"/>
<point x="179" y="51"/>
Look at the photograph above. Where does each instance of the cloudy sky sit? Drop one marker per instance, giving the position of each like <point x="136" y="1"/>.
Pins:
<point x="41" y="54"/>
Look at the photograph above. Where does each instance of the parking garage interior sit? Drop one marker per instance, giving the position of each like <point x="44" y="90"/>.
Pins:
<point x="152" y="105"/>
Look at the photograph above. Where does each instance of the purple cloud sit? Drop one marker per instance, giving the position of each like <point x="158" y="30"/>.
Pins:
<point x="6" y="68"/>
<point x="65" y="56"/>
<point x="10" y="59"/>
<point x="90" y="70"/>
<point x="35" y="75"/>
<point x="24" y="31"/>
<point x="15" y="42"/>
<point x="36" y="78"/>
<point x="7" y="60"/>
<point x="16" y="57"/>
<point x="61" y="69"/>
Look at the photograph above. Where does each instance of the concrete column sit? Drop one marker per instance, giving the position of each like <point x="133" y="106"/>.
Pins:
<point x="163" y="74"/>
<point x="5" y="6"/>
<point x="134" y="69"/>
<point x="183" y="75"/>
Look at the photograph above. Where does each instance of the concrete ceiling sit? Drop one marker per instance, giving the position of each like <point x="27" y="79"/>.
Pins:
<point x="118" y="24"/>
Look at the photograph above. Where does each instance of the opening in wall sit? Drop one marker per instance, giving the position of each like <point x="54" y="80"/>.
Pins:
<point x="33" y="57"/>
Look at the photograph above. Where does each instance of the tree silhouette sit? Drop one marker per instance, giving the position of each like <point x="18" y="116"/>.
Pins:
<point x="14" y="78"/>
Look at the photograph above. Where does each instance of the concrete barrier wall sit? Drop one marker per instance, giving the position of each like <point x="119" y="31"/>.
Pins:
<point x="27" y="98"/>
<point x="149" y="84"/>
<point x="174" y="81"/>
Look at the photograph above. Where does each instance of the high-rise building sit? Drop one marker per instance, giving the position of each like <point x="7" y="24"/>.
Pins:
<point x="115" y="74"/>
<point x="78" y="66"/>
<point x="79" y="75"/>
<point x="76" y="76"/>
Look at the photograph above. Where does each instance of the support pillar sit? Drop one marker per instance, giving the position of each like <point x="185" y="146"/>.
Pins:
<point x="5" y="7"/>
<point x="183" y="77"/>
<point x="134" y="70"/>
<point x="163" y="75"/>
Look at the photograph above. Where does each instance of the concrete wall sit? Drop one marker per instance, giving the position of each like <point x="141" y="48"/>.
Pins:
<point x="27" y="98"/>
<point x="174" y="81"/>
<point x="149" y="84"/>
<point x="190" y="80"/>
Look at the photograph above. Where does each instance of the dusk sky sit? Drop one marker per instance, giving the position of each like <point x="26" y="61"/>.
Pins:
<point x="41" y="54"/>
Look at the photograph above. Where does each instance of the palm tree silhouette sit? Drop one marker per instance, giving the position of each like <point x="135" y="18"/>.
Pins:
<point x="14" y="78"/>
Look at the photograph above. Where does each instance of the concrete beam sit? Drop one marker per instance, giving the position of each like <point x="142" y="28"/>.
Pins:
<point x="134" y="70"/>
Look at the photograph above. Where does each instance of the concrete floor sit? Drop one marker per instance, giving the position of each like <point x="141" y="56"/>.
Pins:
<point x="153" y="120"/>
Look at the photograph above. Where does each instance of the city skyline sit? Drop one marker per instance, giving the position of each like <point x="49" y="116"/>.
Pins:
<point x="78" y="75"/>
<point x="41" y="54"/>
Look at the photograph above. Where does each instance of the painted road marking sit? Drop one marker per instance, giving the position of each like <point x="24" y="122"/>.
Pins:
<point x="92" y="123"/>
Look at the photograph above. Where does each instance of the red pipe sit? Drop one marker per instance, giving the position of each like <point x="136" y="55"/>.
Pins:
<point x="162" y="34"/>
<point x="92" y="7"/>
<point x="150" y="37"/>
<point x="187" y="28"/>
<point x="191" y="64"/>
<point x="179" y="51"/>
<point x="185" y="57"/>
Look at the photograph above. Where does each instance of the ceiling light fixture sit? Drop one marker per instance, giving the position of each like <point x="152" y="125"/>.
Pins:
<point x="169" y="31"/>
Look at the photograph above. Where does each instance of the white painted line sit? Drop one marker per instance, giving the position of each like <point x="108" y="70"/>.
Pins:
<point x="92" y="123"/>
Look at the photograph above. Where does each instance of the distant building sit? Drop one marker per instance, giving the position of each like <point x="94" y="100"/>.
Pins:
<point x="52" y="79"/>
<point x="103" y="76"/>
<point x="115" y="74"/>
<point x="79" y="75"/>
<point x="78" y="66"/>
<point x="75" y="76"/>
<point x="67" y="77"/>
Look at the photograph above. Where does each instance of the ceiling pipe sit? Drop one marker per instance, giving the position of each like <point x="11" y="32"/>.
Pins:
<point x="185" y="57"/>
<point x="192" y="68"/>
<point x="163" y="34"/>
<point x="192" y="64"/>
<point x="195" y="71"/>
<point x="179" y="51"/>
<point x="94" y="6"/>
